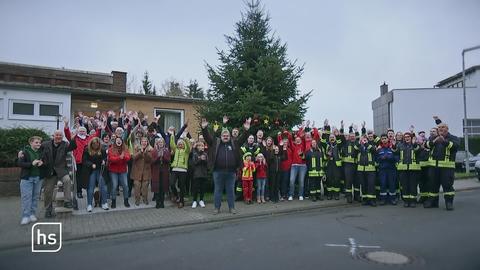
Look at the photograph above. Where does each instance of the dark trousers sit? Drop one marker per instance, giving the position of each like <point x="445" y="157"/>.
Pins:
<point x="274" y="179"/>
<point x="198" y="186"/>
<point x="333" y="177"/>
<point x="306" y="189"/>
<point x="408" y="180"/>
<point x="351" y="181"/>
<point x="388" y="184"/>
<point x="368" y="184"/>
<point x="78" y="178"/>
<point x="444" y="177"/>
<point x="179" y="180"/>
<point x="160" y="195"/>
<point x="315" y="186"/>
<point x="422" y="183"/>
<point x="129" y="180"/>
<point x="284" y="183"/>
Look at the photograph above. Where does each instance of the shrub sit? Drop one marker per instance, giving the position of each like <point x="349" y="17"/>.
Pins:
<point x="13" y="140"/>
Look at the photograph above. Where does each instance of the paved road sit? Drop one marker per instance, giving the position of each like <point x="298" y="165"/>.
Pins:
<point x="431" y="238"/>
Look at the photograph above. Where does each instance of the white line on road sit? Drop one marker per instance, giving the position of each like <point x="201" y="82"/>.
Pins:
<point x="352" y="245"/>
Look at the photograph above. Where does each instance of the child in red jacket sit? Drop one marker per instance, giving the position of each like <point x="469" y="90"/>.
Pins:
<point x="247" y="177"/>
<point x="262" y="168"/>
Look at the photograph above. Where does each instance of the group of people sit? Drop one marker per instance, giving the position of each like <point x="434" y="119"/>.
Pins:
<point x="125" y="149"/>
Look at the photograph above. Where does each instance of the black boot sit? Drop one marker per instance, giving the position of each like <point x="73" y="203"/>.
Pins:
<point x="349" y="199"/>
<point x="356" y="197"/>
<point x="125" y="202"/>
<point x="406" y="203"/>
<point x="373" y="202"/>
<point x="49" y="213"/>
<point x="449" y="205"/>
<point x="393" y="201"/>
<point x="413" y="203"/>
<point x="427" y="203"/>
<point x="382" y="202"/>
<point x="337" y="196"/>
<point x="114" y="204"/>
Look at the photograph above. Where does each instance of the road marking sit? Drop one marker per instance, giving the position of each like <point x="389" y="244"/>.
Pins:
<point x="352" y="245"/>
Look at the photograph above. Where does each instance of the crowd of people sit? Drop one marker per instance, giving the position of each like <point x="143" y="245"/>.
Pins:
<point x="313" y="163"/>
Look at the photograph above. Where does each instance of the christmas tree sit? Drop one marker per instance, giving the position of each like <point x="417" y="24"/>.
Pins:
<point x="255" y="78"/>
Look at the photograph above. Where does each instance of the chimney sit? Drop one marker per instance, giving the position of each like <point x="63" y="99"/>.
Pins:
<point x="119" y="81"/>
<point x="383" y="89"/>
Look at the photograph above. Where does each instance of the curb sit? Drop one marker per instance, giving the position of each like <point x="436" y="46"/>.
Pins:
<point x="218" y="219"/>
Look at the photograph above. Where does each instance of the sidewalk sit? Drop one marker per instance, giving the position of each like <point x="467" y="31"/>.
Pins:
<point x="104" y="223"/>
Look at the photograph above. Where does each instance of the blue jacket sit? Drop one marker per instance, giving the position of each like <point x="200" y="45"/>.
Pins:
<point x="386" y="159"/>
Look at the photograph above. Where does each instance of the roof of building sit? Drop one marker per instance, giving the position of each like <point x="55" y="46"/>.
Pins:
<point x="37" y="67"/>
<point x="457" y="76"/>
<point x="94" y="92"/>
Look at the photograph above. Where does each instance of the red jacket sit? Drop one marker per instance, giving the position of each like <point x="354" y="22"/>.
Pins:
<point x="81" y="143"/>
<point x="298" y="150"/>
<point x="117" y="164"/>
<point x="262" y="169"/>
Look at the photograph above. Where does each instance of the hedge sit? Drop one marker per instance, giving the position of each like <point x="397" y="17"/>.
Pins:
<point x="13" y="140"/>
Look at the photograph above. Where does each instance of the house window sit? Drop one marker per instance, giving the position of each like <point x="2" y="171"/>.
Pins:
<point x="473" y="126"/>
<point x="34" y="110"/>
<point x="170" y="118"/>
<point x="23" y="108"/>
<point x="49" y="110"/>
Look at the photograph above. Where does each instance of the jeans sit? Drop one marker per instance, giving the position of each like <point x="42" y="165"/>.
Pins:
<point x="261" y="186"/>
<point x="30" y="193"/>
<point x="297" y="170"/>
<point x="122" y="177"/>
<point x="221" y="181"/>
<point x="95" y="176"/>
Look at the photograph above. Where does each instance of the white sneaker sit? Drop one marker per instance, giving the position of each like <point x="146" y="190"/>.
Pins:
<point x="25" y="221"/>
<point x="290" y="198"/>
<point x="89" y="208"/>
<point x="194" y="204"/>
<point x="300" y="198"/>
<point x="33" y="218"/>
<point x="202" y="204"/>
<point x="105" y="206"/>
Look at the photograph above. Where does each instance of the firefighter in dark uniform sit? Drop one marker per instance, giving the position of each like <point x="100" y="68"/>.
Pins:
<point x="443" y="150"/>
<point x="334" y="163"/>
<point x="409" y="169"/>
<point x="349" y="154"/>
<point x="316" y="162"/>
<point x="423" y="157"/>
<point x="366" y="171"/>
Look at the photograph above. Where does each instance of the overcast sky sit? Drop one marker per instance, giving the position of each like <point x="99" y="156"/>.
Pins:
<point x="349" y="47"/>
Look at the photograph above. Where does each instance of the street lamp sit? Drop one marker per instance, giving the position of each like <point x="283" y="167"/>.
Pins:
<point x="465" y="130"/>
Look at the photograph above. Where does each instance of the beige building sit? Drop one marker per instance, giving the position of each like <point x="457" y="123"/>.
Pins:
<point x="36" y="96"/>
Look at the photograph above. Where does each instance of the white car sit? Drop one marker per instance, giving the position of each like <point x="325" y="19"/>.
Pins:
<point x="477" y="168"/>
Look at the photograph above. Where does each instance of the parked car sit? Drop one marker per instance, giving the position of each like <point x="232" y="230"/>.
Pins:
<point x="460" y="160"/>
<point x="477" y="168"/>
<point x="472" y="161"/>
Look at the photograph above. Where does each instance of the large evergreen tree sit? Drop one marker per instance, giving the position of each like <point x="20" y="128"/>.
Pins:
<point x="255" y="78"/>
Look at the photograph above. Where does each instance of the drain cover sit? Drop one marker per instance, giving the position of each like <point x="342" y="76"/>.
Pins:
<point x="387" y="257"/>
